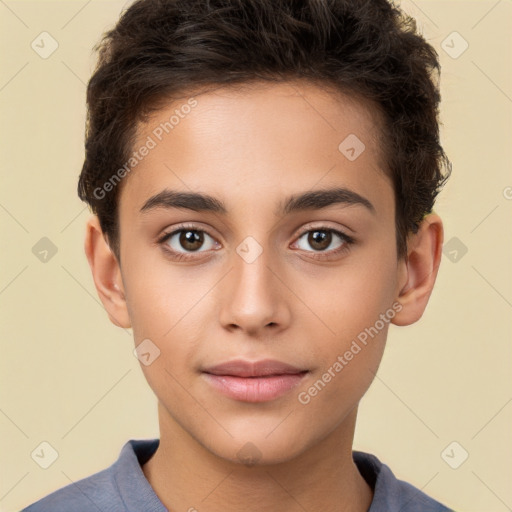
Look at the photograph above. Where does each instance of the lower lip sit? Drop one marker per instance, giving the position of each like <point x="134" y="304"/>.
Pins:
<point x="254" y="389"/>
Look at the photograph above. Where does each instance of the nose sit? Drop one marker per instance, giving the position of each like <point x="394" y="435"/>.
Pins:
<point x="253" y="297"/>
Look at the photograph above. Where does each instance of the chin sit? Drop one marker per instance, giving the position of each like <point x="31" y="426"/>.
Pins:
<point x="256" y="447"/>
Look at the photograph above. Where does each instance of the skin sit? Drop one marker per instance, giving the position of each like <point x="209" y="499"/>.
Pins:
<point x="251" y="149"/>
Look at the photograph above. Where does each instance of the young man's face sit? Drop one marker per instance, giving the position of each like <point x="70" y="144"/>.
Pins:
<point x="261" y="280"/>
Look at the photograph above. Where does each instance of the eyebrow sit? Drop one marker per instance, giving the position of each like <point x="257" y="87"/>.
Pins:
<point x="311" y="200"/>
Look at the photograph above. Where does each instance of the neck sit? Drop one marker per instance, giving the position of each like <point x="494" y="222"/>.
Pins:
<point x="187" y="476"/>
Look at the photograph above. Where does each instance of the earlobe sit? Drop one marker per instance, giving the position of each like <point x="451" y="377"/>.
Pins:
<point x="421" y="266"/>
<point x="106" y="273"/>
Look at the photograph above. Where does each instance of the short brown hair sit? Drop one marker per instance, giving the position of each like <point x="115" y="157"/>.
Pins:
<point x="369" y="48"/>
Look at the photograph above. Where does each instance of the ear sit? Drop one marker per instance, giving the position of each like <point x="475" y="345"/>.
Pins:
<point x="419" y="270"/>
<point x="106" y="274"/>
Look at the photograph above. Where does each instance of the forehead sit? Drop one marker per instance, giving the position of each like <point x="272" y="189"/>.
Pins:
<point x="271" y="137"/>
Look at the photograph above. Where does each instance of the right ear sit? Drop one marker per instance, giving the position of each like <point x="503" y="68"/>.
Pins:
<point x="106" y="273"/>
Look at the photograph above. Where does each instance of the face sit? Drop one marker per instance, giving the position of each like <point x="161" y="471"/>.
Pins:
<point x="240" y="266"/>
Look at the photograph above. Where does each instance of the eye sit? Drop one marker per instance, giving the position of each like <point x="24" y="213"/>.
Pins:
<point x="185" y="241"/>
<point x="324" y="240"/>
<point x="181" y="244"/>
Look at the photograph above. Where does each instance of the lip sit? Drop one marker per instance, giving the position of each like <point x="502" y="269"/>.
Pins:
<point x="254" y="381"/>
<point x="261" y="368"/>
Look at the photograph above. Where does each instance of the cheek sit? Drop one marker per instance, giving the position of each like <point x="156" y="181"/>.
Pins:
<point x="163" y="308"/>
<point x="169" y="306"/>
<point x="351" y="300"/>
<point x="355" y="306"/>
<point x="349" y="356"/>
<point x="161" y="297"/>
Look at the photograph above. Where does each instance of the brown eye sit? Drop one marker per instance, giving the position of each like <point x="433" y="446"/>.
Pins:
<point x="191" y="240"/>
<point x="319" y="240"/>
<point x="324" y="240"/>
<point x="187" y="241"/>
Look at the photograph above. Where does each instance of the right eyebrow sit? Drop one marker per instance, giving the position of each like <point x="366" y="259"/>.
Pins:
<point x="189" y="200"/>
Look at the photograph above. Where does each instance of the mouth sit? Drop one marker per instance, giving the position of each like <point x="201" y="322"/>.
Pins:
<point x="258" y="381"/>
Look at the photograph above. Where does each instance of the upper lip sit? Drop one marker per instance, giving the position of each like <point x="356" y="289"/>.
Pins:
<point x="264" y="367"/>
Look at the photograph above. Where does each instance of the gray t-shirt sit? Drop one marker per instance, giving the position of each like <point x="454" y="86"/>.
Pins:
<point x="122" y="487"/>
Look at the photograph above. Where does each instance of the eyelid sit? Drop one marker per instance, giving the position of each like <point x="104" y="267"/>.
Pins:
<point x="183" y="227"/>
<point x="305" y="229"/>
<point x="347" y="240"/>
<point x="178" y="256"/>
<point x="325" y="227"/>
<point x="327" y="255"/>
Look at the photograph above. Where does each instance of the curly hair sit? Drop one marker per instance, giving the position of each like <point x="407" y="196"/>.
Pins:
<point x="160" y="49"/>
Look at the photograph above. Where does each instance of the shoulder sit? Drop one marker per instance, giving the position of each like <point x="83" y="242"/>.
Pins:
<point x="98" y="489"/>
<point x="391" y="493"/>
<point x="113" y="488"/>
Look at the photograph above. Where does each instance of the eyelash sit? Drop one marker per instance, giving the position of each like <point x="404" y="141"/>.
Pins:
<point x="178" y="256"/>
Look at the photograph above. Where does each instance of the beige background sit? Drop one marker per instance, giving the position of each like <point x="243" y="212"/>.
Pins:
<point x="69" y="376"/>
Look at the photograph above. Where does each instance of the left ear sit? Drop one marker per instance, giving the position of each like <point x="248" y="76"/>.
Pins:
<point x="106" y="273"/>
<point x="420" y="268"/>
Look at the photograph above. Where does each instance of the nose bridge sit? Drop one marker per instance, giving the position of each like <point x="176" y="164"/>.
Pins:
<point x="254" y="298"/>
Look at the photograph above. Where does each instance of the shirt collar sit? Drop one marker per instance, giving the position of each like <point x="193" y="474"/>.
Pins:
<point x="137" y="493"/>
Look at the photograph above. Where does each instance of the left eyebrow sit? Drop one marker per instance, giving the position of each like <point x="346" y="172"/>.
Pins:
<point x="318" y="199"/>
<point x="311" y="200"/>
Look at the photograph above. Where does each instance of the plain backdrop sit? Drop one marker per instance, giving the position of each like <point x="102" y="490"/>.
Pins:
<point x="69" y="377"/>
